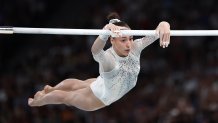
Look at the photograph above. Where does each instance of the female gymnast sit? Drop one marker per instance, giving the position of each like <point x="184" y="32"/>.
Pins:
<point x="119" y="68"/>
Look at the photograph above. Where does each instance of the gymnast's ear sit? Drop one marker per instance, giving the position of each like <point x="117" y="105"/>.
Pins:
<point x="111" y="40"/>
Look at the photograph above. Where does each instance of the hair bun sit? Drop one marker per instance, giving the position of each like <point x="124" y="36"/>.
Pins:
<point x="113" y="15"/>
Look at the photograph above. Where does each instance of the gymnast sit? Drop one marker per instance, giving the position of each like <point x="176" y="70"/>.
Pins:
<point x="119" y="67"/>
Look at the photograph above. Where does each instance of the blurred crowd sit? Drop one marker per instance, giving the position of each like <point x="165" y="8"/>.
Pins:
<point x="178" y="84"/>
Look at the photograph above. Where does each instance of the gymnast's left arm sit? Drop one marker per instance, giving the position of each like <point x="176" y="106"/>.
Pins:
<point x="162" y="32"/>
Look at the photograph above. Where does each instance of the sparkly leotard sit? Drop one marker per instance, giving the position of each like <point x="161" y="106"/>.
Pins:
<point x="118" y="75"/>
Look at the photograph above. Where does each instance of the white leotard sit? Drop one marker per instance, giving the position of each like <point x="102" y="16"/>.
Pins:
<point x="118" y="75"/>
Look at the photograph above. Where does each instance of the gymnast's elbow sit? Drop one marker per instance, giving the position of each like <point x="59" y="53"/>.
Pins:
<point x="95" y="50"/>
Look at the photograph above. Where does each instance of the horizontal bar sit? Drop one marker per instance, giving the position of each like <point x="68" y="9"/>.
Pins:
<point x="63" y="31"/>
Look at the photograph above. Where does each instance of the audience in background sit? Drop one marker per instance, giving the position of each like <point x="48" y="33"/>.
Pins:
<point x="178" y="84"/>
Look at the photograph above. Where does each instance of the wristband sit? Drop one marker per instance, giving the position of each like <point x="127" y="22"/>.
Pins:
<point x="104" y="37"/>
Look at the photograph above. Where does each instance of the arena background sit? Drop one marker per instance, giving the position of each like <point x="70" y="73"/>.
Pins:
<point x="178" y="84"/>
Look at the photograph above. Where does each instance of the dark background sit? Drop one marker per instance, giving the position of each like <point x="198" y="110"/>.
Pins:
<point x="178" y="84"/>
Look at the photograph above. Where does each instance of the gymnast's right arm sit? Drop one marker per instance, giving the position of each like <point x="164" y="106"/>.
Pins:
<point x="104" y="59"/>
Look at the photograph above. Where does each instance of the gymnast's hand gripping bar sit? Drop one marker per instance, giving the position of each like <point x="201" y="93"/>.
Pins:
<point x="63" y="31"/>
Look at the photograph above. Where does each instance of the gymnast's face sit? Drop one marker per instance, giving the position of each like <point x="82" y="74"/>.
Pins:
<point x="122" y="45"/>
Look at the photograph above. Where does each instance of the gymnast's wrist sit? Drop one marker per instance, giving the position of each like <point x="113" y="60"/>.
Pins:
<point x="103" y="38"/>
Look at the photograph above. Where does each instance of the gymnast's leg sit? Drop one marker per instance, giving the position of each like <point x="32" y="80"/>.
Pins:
<point x="83" y="99"/>
<point x="69" y="85"/>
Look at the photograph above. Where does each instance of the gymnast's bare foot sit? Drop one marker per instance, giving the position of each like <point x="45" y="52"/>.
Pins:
<point x="35" y="101"/>
<point x="48" y="89"/>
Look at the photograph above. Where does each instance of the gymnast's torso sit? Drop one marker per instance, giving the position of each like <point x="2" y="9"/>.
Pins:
<point x="118" y="75"/>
